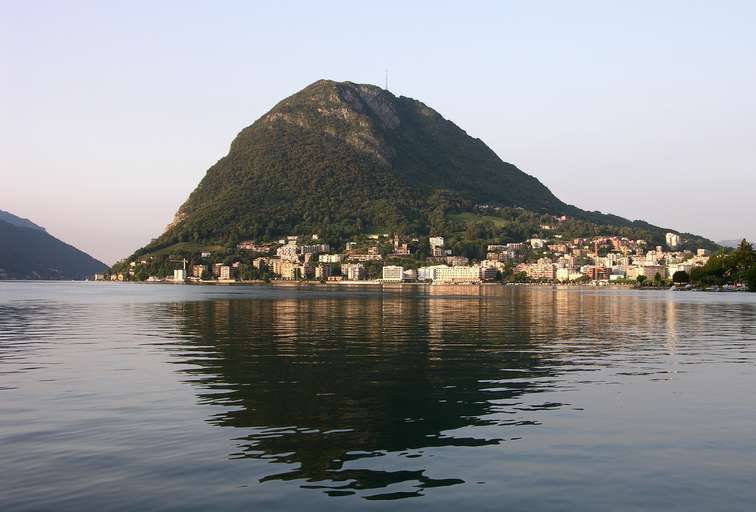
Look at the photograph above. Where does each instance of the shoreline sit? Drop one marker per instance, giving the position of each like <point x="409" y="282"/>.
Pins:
<point x="380" y="284"/>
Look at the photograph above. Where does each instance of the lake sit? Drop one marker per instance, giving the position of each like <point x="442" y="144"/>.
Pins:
<point x="159" y="397"/>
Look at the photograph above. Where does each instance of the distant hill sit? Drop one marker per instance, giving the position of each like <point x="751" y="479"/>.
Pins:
<point x="18" y="221"/>
<point x="340" y="159"/>
<point x="32" y="253"/>
<point x="730" y="243"/>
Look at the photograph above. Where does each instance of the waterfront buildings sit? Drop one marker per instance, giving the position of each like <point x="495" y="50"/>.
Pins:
<point x="393" y="274"/>
<point x="353" y="271"/>
<point x="392" y="258"/>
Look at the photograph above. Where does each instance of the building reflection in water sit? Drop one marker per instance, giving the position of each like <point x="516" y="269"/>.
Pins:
<point x="321" y="384"/>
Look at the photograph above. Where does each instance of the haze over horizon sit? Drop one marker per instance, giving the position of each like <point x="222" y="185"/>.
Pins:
<point x="113" y="114"/>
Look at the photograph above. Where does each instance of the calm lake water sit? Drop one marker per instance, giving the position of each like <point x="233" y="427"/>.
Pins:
<point x="150" y="397"/>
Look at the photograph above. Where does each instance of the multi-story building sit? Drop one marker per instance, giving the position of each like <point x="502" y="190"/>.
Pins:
<point x="355" y="272"/>
<point x="426" y="273"/>
<point x="274" y="264"/>
<point x="673" y="239"/>
<point x="456" y="261"/>
<point x="329" y="258"/>
<point x="558" y="248"/>
<point x="393" y="273"/>
<point x="436" y="241"/>
<point x="437" y="246"/>
<point x="649" y="271"/>
<point x="254" y="247"/>
<point x="679" y="267"/>
<point x="498" y="256"/>
<point x="225" y="273"/>
<point x="288" y="270"/>
<point x="544" y="269"/>
<point x="365" y="257"/>
<point x="537" y="243"/>
<point x="563" y="274"/>
<point x="322" y="272"/>
<point x="314" y="248"/>
<point x="288" y="252"/>
<point x="198" y="270"/>
<point x="459" y="274"/>
<point x="488" y="273"/>
<point x="402" y="250"/>
<point x="597" y="273"/>
<point x="179" y="275"/>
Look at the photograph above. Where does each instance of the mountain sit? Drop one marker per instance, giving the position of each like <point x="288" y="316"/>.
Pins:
<point x="732" y="244"/>
<point x="18" y="221"/>
<point x="31" y="253"/>
<point x="340" y="158"/>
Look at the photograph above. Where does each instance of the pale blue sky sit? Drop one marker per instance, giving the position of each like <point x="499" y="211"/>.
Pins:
<point x="110" y="114"/>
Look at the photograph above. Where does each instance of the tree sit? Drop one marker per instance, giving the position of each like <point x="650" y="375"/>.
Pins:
<point x="521" y="277"/>
<point x="751" y="279"/>
<point x="741" y="261"/>
<point x="641" y="280"/>
<point x="680" y="277"/>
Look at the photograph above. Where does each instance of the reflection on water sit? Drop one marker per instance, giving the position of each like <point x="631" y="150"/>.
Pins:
<point x="368" y="394"/>
<point x="326" y="382"/>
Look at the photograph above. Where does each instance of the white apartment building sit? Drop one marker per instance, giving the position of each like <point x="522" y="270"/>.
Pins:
<point x="461" y="274"/>
<point x="436" y="241"/>
<point x="329" y="258"/>
<point x="426" y="273"/>
<point x="353" y="271"/>
<point x="673" y="240"/>
<point x="356" y="272"/>
<point x="537" y="243"/>
<point x="393" y="273"/>
<point x="314" y="248"/>
<point x="288" y="252"/>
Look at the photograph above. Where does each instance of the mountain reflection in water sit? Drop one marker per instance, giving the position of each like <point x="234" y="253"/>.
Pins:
<point x="323" y="383"/>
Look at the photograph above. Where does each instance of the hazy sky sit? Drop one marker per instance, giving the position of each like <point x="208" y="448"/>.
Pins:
<point x="111" y="114"/>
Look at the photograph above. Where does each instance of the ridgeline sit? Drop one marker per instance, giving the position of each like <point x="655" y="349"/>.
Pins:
<point x="342" y="159"/>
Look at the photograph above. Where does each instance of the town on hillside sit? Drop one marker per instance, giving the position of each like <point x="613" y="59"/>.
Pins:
<point x="387" y="258"/>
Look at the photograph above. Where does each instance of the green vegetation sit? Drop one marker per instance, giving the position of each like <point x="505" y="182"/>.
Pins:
<point x="161" y="264"/>
<point x="680" y="277"/>
<point x="723" y="268"/>
<point x="341" y="159"/>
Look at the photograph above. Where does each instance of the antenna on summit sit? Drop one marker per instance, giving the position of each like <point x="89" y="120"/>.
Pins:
<point x="386" y="80"/>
